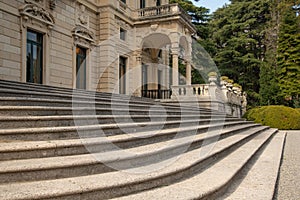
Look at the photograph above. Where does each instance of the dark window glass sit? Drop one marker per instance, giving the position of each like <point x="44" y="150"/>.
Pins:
<point x="34" y="57"/>
<point x="122" y="34"/>
<point x="142" y="3"/>
<point x="158" y="2"/>
<point x="122" y="75"/>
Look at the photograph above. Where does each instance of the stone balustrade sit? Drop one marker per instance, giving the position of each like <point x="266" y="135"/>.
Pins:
<point x="169" y="9"/>
<point x="227" y="98"/>
<point x="191" y="90"/>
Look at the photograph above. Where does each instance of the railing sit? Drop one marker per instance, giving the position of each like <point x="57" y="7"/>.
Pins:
<point x="191" y="90"/>
<point x="169" y="9"/>
<point x="157" y="94"/>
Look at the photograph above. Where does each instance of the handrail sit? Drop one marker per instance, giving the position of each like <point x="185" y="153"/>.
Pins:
<point x="168" y="9"/>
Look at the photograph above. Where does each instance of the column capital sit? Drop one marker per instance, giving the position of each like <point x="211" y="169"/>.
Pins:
<point x="188" y="59"/>
<point x="138" y="55"/>
<point x="175" y="50"/>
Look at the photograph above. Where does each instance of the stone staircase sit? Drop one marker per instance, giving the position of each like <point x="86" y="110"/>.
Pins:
<point x="58" y="143"/>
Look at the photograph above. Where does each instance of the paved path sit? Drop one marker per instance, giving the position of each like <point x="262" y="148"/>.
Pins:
<point x="289" y="181"/>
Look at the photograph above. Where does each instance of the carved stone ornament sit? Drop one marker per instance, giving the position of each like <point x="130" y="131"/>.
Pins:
<point x="122" y="23"/>
<point x="154" y="27"/>
<point x="37" y="2"/>
<point x="82" y="17"/>
<point x="83" y="36"/>
<point x="52" y="4"/>
<point x="34" y="12"/>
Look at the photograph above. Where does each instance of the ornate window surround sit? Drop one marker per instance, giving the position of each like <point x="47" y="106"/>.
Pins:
<point x="86" y="39"/>
<point x="35" y="17"/>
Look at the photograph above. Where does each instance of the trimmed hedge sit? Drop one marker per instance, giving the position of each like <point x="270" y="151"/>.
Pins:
<point x="281" y="117"/>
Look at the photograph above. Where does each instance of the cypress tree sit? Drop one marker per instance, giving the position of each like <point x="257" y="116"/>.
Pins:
<point x="288" y="54"/>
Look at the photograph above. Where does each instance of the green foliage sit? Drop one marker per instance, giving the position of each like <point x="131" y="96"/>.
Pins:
<point x="281" y="117"/>
<point x="238" y="32"/>
<point x="269" y="87"/>
<point x="200" y="15"/>
<point x="182" y="72"/>
<point x="288" y="54"/>
<point x="197" y="77"/>
<point x="254" y="42"/>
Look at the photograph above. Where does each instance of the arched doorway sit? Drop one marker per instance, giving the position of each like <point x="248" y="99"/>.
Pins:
<point x="155" y="62"/>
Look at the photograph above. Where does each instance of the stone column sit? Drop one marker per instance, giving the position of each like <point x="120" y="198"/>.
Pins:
<point x="188" y="73"/>
<point x="175" y="67"/>
<point x="137" y="80"/>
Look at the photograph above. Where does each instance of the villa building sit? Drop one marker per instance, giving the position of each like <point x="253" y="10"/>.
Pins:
<point x="116" y="46"/>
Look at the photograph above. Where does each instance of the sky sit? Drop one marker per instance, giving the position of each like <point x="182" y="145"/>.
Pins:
<point x="211" y="4"/>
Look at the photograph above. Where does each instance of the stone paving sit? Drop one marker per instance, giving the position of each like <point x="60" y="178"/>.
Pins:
<point x="289" y="181"/>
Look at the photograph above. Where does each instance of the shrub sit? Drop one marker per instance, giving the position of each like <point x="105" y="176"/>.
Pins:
<point x="281" y="117"/>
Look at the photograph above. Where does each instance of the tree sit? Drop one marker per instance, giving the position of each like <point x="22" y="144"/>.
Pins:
<point x="288" y="53"/>
<point x="238" y="32"/>
<point x="269" y="87"/>
<point x="200" y="15"/>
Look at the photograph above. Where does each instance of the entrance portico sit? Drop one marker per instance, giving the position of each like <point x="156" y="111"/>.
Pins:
<point x="158" y="59"/>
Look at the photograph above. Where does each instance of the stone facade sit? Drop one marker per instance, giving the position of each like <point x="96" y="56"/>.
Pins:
<point x="112" y="34"/>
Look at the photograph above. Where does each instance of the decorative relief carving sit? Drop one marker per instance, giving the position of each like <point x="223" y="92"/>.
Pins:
<point x="37" y="2"/>
<point x="52" y="4"/>
<point x="82" y="17"/>
<point x="83" y="36"/>
<point x="122" y="23"/>
<point x="35" y="14"/>
<point x="154" y="27"/>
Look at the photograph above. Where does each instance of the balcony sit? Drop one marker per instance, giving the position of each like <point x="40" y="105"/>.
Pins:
<point x="162" y="11"/>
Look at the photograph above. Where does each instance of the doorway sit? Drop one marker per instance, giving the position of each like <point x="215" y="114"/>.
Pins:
<point x="80" y="68"/>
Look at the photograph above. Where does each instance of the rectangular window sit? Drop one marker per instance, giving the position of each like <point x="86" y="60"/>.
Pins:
<point x="123" y="33"/>
<point x="142" y="4"/>
<point x="80" y="68"/>
<point x="122" y="75"/>
<point x="34" y="57"/>
<point x="124" y="1"/>
<point x="158" y="2"/>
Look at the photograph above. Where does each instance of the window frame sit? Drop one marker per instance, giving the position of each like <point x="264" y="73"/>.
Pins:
<point x="123" y="34"/>
<point x="122" y="74"/>
<point x="41" y="45"/>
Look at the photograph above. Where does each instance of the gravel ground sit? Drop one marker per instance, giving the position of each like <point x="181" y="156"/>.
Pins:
<point x="289" y="179"/>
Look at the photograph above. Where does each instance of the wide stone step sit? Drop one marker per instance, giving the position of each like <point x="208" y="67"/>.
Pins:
<point x="258" y="180"/>
<point x="186" y="168"/>
<point x="9" y="122"/>
<point x="88" y="131"/>
<point x="27" y="101"/>
<point x="11" y="150"/>
<point x="61" y="90"/>
<point x="90" y="99"/>
<point x="46" y="110"/>
<point x="212" y="181"/>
